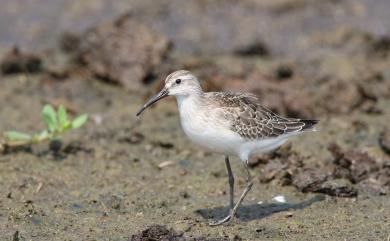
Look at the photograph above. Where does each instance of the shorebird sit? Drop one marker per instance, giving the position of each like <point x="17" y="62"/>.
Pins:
<point x="228" y="123"/>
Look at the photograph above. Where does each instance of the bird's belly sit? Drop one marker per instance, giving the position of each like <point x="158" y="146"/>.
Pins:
<point x="259" y="146"/>
<point x="212" y="137"/>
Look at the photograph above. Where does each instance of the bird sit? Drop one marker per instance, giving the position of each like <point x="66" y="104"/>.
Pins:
<point x="232" y="124"/>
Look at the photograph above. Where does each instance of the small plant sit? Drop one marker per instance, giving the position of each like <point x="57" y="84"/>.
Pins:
<point x="57" y="123"/>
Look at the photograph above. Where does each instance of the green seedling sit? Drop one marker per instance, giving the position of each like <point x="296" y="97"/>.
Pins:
<point x="57" y="123"/>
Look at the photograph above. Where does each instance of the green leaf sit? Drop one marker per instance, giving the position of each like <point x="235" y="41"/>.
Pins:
<point x="62" y="117"/>
<point x="49" y="116"/>
<point x="17" y="136"/>
<point x="79" y="121"/>
<point x="43" y="135"/>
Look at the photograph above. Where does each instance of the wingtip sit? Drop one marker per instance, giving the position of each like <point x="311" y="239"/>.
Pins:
<point x="309" y="124"/>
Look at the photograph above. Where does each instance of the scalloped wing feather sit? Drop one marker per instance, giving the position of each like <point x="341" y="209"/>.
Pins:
<point x="252" y="121"/>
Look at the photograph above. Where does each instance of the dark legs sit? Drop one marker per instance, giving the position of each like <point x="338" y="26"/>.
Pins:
<point x="233" y="208"/>
<point x="231" y="182"/>
<point x="231" y="193"/>
<point x="249" y="184"/>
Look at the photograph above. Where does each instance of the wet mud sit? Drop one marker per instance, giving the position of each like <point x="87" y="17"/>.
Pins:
<point x="128" y="178"/>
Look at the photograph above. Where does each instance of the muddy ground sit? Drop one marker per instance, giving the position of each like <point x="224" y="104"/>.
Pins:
<point x="121" y="176"/>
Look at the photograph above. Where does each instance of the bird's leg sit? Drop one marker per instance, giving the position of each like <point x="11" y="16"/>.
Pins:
<point x="231" y="194"/>
<point x="249" y="184"/>
<point x="231" y="182"/>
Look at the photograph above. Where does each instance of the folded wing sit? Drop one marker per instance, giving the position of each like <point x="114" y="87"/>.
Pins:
<point x="252" y="121"/>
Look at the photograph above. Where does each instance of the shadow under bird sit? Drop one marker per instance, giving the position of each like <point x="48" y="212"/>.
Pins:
<point x="228" y="123"/>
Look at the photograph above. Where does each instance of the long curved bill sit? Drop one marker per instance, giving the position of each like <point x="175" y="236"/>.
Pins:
<point x="162" y="94"/>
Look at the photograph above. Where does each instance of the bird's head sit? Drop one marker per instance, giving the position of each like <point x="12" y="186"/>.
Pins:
<point x="180" y="83"/>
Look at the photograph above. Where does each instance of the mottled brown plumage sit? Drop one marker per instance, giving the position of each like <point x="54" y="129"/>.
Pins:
<point x="253" y="121"/>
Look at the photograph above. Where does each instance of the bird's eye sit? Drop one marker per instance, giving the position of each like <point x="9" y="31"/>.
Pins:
<point x="178" y="81"/>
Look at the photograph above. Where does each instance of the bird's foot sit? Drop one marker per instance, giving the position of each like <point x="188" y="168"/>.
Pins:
<point x="226" y="220"/>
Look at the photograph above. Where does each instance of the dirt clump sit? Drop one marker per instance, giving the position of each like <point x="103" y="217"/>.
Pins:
<point x="283" y="166"/>
<point x="124" y="51"/>
<point x="353" y="165"/>
<point x="133" y="138"/>
<point x="157" y="232"/>
<point x="16" y="61"/>
<point x="69" y="42"/>
<point x="163" y="233"/>
<point x="381" y="46"/>
<point x="284" y="72"/>
<point x="370" y="175"/>
<point x="256" y="48"/>
<point x="309" y="180"/>
<point x="337" y="188"/>
<point x="349" y="173"/>
<point x="354" y="41"/>
<point x="384" y="140"/>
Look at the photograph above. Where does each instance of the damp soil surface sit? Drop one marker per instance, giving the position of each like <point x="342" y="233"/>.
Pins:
<point x="126" y="178"/>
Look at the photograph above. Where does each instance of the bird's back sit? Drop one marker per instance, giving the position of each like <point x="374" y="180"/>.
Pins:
<point x="254" y="122"/>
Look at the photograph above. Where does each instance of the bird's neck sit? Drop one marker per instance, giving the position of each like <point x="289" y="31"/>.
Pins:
<point x="189" y="102"/>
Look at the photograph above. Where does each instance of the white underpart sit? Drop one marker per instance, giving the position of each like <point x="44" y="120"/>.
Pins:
<point x="203" y="125"/>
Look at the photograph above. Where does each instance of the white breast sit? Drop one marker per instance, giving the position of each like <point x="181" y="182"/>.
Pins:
<point x="202" y="126"/>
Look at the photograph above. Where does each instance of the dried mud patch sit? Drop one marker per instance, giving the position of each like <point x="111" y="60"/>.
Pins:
<point x="157" y="232"/>
<point x="163" y="233"/>
<point x="53" y="149"/>
<point x="124" y="51"/>
<point x="350" y="172"/>
<point x="384" y="140"/>
<point x="17" y="61"/>
<point x="360" y="168"/>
